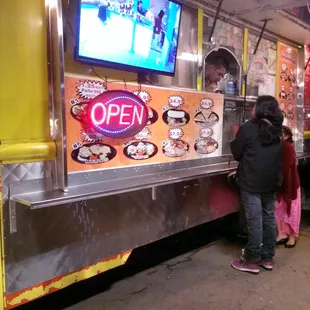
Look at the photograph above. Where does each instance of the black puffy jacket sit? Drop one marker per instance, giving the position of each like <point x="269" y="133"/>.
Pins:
<point x="259" y="169"/>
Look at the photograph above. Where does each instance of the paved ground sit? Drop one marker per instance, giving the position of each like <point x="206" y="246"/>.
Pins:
<point x="203" y="279"/>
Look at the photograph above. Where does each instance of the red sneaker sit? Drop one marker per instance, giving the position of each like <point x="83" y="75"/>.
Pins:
<point x="243" y="265"/>
<point x="266" y="264"/>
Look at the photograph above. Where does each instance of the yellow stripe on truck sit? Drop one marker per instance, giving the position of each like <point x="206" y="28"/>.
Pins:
<point x="200" y="43"/>
<point x="37" y="291"/>
<point x="27" y="152"/>
<point x="245" y="56"/>
<point x="24" y="106"/>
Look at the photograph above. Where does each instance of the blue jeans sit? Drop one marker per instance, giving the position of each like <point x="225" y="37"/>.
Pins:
<point x="261" y="223"/>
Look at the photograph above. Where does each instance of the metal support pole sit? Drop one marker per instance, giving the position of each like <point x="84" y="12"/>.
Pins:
<point x="57" y="96"/>
<point x="13" y="220"/>
<point x="215" y="19"/>
<point x="154" y="196"/>
<point x="245" y="78"/>
<point x="261" y="35"/>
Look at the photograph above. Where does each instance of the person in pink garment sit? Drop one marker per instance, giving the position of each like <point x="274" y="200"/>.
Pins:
<point x="288" y="203"/>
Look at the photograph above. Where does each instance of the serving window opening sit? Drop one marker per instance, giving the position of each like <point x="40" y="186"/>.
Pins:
<point x="222" y="72"/>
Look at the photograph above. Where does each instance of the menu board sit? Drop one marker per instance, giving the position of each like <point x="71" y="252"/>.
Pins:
<point x="181" y="125"/>
<point x="287" y="57"/>
<point x="307" y="89"/>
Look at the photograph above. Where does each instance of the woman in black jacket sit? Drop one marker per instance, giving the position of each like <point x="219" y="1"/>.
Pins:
<point x="257" y="147"/>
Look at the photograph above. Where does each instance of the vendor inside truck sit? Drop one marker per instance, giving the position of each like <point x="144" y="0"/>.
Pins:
<point x="215" y="69"/>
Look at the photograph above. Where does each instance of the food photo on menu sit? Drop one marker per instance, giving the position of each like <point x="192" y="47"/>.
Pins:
<point x="140" y="150"/>
<point x="283" y="74"/>
<point x="206" y="118"/>
<point x="290" y="116"/>
<point x="93" y="153"/>
<point x="292" y="77"/>
<point x="283" y="94"/>
<point x="175" y="148"/>
<point x="152" y="116"/>
<point x="176" y="118"/>
<point x="206" y="146"/>
<point x="79" y="111"/>
<point x="291" y="94"/>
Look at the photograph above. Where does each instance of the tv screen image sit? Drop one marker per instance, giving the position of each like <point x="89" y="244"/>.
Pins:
<point x="133" y="35"/>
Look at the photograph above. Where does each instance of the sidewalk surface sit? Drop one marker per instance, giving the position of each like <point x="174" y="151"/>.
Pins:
<point x="203" y="279"/>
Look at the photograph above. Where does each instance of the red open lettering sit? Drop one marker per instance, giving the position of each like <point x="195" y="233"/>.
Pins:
<point x="124" y="114"/>
<point x="113" y="110"/>
<point x="94" y="113"/>
<point x="118" y="114"/>
<point x="137" y="115"/>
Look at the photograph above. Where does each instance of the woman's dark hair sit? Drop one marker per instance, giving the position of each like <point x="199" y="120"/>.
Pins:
<point x="271" y="118"/>
<point x="288" y="132"/>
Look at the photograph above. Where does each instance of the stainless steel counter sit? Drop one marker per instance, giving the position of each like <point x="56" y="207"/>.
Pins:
<point x="302" y="155"/>
<point x="98" y="184"/>
<point x="47" y="198"/>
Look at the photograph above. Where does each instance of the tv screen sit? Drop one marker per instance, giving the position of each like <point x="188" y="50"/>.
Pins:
<point x="134" y="35"/>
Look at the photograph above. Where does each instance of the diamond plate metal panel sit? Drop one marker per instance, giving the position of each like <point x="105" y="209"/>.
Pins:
<point x="54" y="241"/>
<point x="24" y="172"/>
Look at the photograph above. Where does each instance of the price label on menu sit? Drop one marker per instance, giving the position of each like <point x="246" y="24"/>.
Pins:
<point x="165" y="142"/>
<point x="144" y="95"/>
<point x="90" y="89"/>
<point x="175" y="133"/>
<point x="206" y="132"/>
<point x="206" y="103"/>
<point x="77" y="145"/>
<point x="175" y="101"/>
<point x="144" y="134"/>
<point x="127" y="143"/>
<point x="74" y="101"/>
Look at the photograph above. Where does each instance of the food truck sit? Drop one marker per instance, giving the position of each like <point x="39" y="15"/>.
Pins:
<point x="108" y="139"/>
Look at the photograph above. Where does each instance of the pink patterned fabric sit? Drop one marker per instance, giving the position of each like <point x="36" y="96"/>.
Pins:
<point x="289" y="223"/>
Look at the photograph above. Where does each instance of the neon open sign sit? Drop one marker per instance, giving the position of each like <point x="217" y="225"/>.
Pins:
<point x="118" y="114"/>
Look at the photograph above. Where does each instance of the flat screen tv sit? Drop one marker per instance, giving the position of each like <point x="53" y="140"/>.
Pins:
<point x="133" y="35"/>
